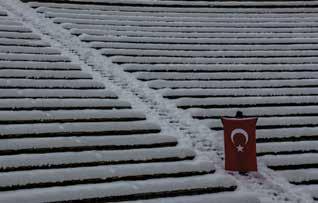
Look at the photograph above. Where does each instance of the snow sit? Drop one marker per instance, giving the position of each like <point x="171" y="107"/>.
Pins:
<point x="201" y="10"/>
<point x="287" y="133"/>
<point x="20" y="104"/>
<point x="64" y="84"/>
<point x="103" y="157"/>
<point x="28" y="50"/>
<point x="18" y="35"/>
<point x="23" y="42"/>
<point x="56" y="93"/>
<point x="138" y="33"/>
<point x="160" y="84"/>
<point x="290" y="160"/>
<point x="213" y="61"/>
<point x="271" y="53"/>
<point x="280" y="31"/>
<point x="40" y="74"/>
<point x="30" y="65"/>
<point x="192" y="29"/>
<point x="202" y="47"/>
<point x="245" y="101"/>
<point x="277" y="147"/>
<point x="14" y="28"/>
<point x="80" y="128"/>
<point x="301" y="175"/>
<point x="230" y="13"/>
<point x="33" y="57"/>
<point x="235" y="92"/>
<point x="265" y="24"/>
<point x="180" y="40"/>
<point x="217" y="67"/>
<point x="89" y="141"/>
<point x="229" y="197"/>
<point x="140" y="16"/>
<point x="70" y="115"/>
<point x="259" y="111"/>
<point x="116" y="189"/>
<point x="286" y="121"/>
<point x="8" y="22"/>
<point x="225" y="76"/>
<point x="105" y="173"/>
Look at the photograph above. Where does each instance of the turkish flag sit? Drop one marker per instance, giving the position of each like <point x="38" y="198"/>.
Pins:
<point x="240" y="144"/>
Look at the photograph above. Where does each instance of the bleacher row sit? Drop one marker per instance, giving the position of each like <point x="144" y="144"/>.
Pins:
<point x="213" y="58"/>
<point x="65" y="137"/>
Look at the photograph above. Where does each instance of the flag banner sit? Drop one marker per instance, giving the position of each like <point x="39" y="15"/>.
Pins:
<point x="240" y="144"/>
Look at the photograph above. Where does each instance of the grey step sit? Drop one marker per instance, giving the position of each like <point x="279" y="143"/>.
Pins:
<point x="84" y="143"/>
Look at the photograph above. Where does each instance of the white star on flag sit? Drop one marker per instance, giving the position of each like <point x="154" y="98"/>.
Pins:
<point x="240" y="148"/>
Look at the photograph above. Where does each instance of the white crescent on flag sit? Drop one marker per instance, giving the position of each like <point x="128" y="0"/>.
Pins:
<point x="239" y="131"/>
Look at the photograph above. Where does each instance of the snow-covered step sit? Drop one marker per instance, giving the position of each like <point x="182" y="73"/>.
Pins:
<point x="3" y="13"/>
<point x="160" y="84"/>
<point x="172" y="3"/>
<point x="19" y="35"/>
<point x="122" y="191"/>
<point x="40" y="74"/>
<point x="43" y="83"/>
<point x="138" y="16"/>
<point x="211" y="54"/>
<point x="180" y="40"/>
<point x="84" y="143"/>
<point x="38" y="65"/>
<point x="253" y="4"/>
<point x="62" y="116"/>
<point x="201" y="10"/>
<point x="195" y="68"/>
<point x="33" y="57"/>
<point x="246" y="102"/>
<point x="144" y="3"/>
<point x="312" y="189"/>
<point x="135" y="33"/>
<point x="147" y="76"/>
<point x="60" y="103"/>
<point x="256" y="111"/>
<point x="77" y="129"/>
<point x="229" y="13"/>
<point x="238" y="197"/>
<point x="214" y="61"/>
<point x="183" y="23"/>
<point x="275" y="148"/>
<point x="90" y="158"/>
<point x="14" y="28"/>
<point x="9" y="22"/>
<point x="294" y="161"/>
<point x="287" y="134"/>
<point x="150" y="28"/>
<point x="202" y="47"/>
<point x="272" y="122"/>
<point x="56" y="93"/>
<point x="99" y="174"/>
<point x="23" y="42"/>
<point x="238" y="92"/>
<point x="29" y="50"/>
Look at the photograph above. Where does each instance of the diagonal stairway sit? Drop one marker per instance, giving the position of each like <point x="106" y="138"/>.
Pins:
<point x="65" y="137"/>
<point x="213" y="58"/>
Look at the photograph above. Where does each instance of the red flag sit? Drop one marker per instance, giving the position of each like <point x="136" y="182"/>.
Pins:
<point x="240" y="144"/>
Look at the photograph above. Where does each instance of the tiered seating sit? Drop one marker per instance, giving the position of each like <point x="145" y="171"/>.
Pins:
<point x="65" y="137"/>
<point x="216" y="57"/>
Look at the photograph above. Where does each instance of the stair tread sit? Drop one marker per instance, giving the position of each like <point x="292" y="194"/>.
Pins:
<point x="19" y="104"/>
<point x="105" y="173"/>
<point x="54" y="143"/>
<point x="52" y="160"/>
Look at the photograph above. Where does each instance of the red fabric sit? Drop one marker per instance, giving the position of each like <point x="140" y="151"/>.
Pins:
<point x="240" y="144"/>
